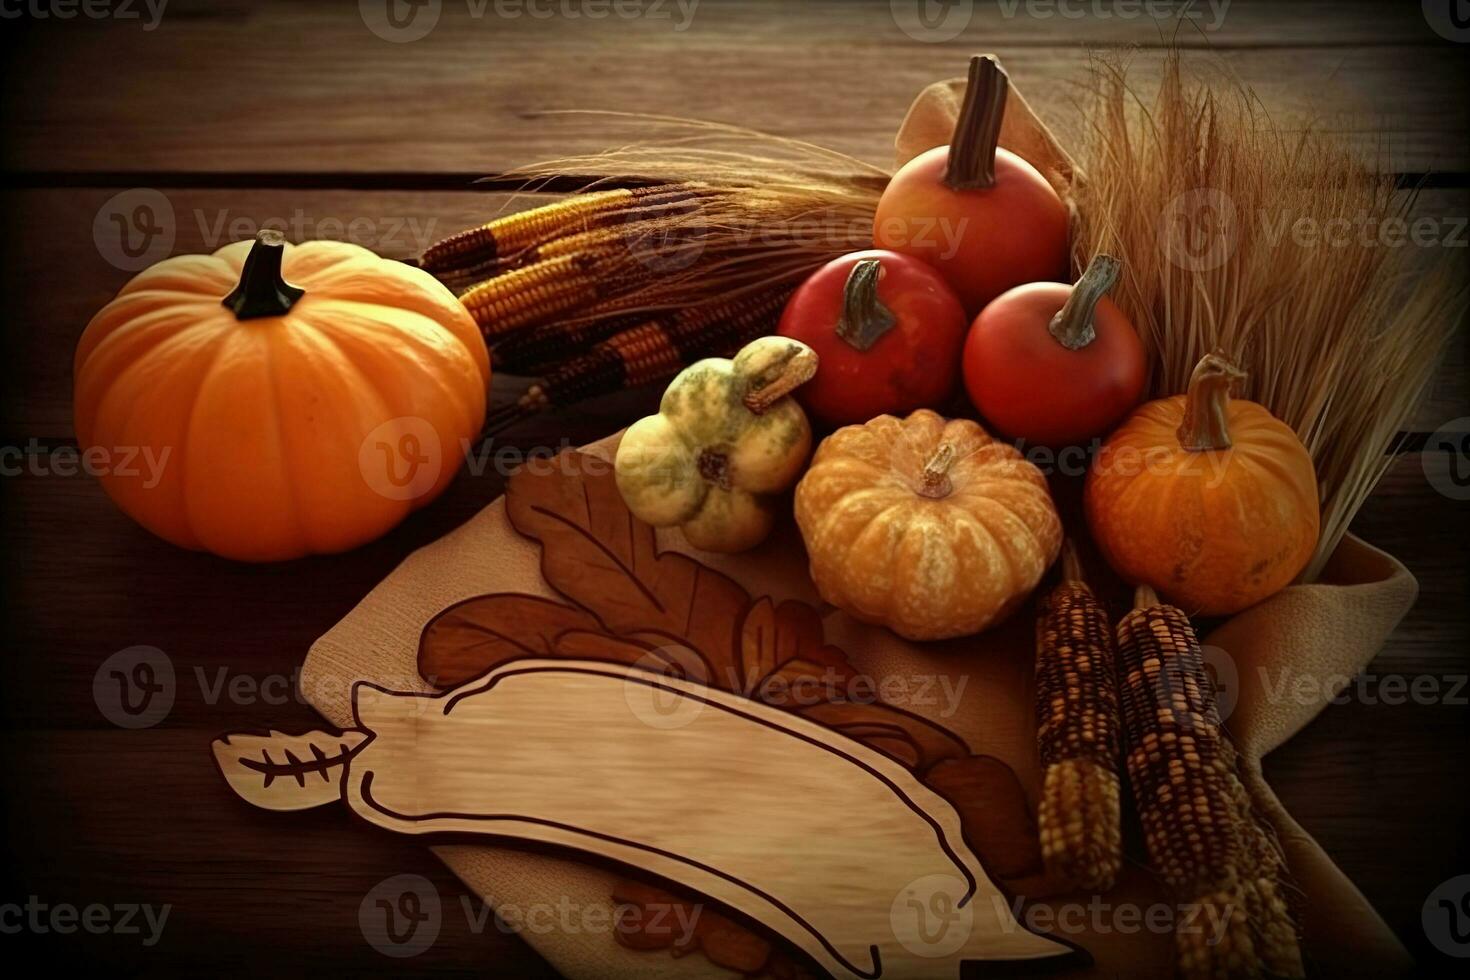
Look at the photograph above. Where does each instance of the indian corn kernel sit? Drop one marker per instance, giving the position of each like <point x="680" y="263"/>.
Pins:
<point x="1078" y="735"/>
<point x="1200" y="828"/>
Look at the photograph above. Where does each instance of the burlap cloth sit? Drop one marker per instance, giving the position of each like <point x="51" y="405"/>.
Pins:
<point x="1324" y="634"/>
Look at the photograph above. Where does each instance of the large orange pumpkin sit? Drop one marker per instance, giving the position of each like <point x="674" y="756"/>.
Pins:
<point x="295" y="399"/>
<point x="1209" y="499"/>
<point x="929" y="527"/>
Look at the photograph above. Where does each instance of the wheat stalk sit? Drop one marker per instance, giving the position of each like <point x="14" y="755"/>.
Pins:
<point x="1203" y="197"/>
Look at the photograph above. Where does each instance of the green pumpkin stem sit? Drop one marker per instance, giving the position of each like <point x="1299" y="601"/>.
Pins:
<point x="977" y="131"/>
<point x="1206" y="424"/>
<point x="864" y="318"/>
<point x="262" y="291"/>
<point x="1073" y="325"/>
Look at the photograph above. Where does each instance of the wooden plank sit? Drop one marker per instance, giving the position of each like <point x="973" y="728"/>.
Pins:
<point x="315" y="90"/>
<point x="1378" y="777"/>
<point x="58" y="278"/>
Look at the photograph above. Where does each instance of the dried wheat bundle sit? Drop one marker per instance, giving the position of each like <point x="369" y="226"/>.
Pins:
<point x="1275" y="247"/>
<point x="688" y="249"/>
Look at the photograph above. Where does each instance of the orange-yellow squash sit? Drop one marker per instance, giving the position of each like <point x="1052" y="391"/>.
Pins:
<point x="1210" y="500"/>
<point x="291" y="400"/>
<point x="929" y="527"/>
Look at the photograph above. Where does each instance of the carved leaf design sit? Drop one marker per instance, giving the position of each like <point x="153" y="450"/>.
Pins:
<point x="277" y="771"/>
<point x="994" y="813"/>
<point x="909" y="739"/>
<point x="596" y="553"/>
<point x="667" y="612"/>
<point x="471" y="637"/>
<point x="783" y="645"/>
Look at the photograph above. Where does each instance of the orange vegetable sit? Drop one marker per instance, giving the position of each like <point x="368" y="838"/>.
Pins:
<point x="301" y="399"/>
<point x="929" y="527"/>
<point x="1210" y="500"/>
<point x="1055" y="364"/>
<point x="980" y="214"/>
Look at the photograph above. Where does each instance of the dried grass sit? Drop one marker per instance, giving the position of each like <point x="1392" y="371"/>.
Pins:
<point x="769" y="211"/>
<point x="1231" y="231"/>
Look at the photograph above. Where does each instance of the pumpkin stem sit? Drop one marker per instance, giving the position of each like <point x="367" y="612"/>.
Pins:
<point x="1206" y="423"/>
<point x="262" y="291"/>
<point x="977" y="131"/>
<point x="783" y="375"/>
<point x="864" y="318"/>
<point x="935" y="482"/>
<point x="1072" y="326"/>
<point x="1144" y="597"/>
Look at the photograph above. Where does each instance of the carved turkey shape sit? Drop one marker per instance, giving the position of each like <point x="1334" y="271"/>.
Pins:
<point x="866" y="869"/>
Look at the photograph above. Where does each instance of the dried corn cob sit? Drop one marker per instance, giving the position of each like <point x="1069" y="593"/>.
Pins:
<point x="480" y="253"/>
<point x="556" y="287"/>
<point x="1200" y="829"/>
<point x="539" y="348"/>
<point x="650" y="351"/>
<point x="534" y="293"/>
<point x="1077" y="733"/>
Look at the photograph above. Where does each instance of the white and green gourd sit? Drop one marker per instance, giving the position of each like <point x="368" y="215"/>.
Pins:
<point x="727" y="441"/>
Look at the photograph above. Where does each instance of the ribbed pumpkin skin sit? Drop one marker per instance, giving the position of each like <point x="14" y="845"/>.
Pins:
<point x="926" y="567"/>
<point x="266" y="421"/>
<point x="658" y="467"/>
<point x="1214" y="531"/>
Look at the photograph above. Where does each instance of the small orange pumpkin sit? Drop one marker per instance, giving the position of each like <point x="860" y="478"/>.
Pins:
<point x="929" y="527"/>
<point x="296" y="399"/>
<point x="1210" y="500"/>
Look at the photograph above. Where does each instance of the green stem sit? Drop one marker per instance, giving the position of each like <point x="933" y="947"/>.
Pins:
<point x="977" y="131"/>
<point x="864" y="318"/>
<point x="1073" y="327"/>
<point x="261" y="290"/>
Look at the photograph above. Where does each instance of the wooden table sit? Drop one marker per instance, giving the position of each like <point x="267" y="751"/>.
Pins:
<point x="233" y="114"/>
